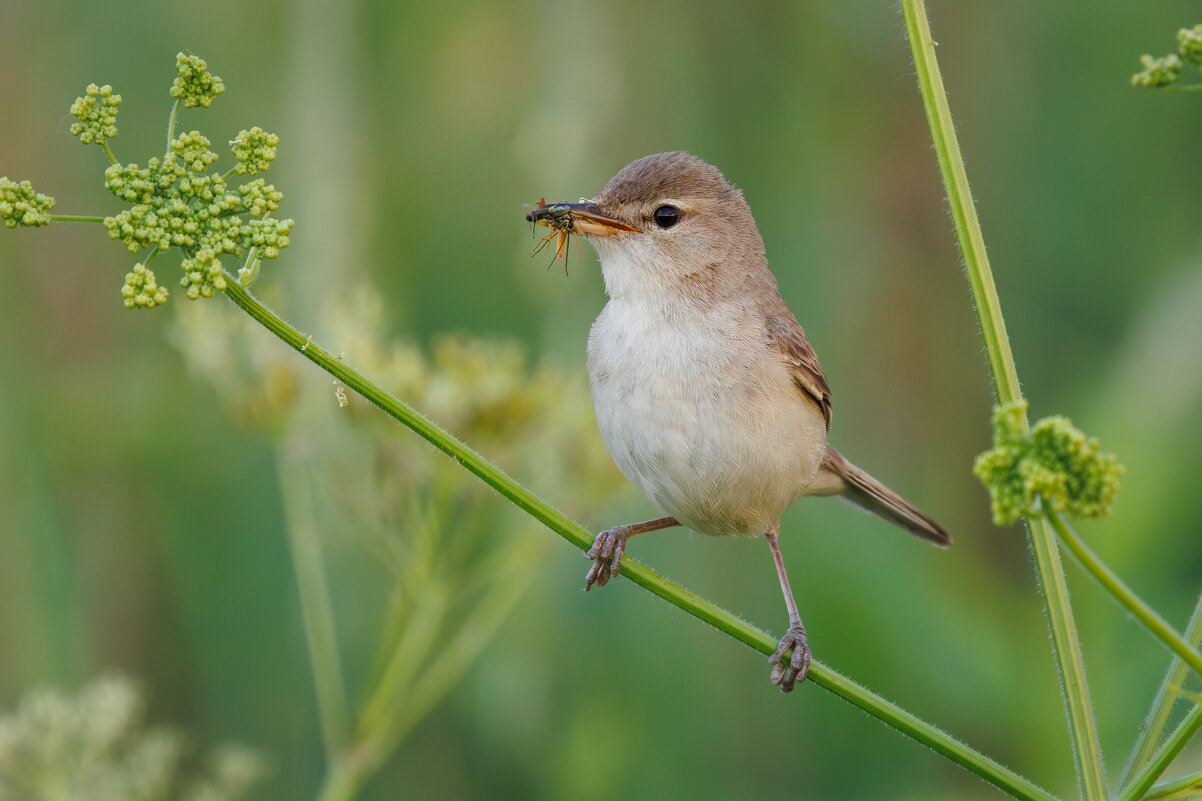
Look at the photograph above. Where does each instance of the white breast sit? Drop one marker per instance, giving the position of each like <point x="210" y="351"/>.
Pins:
<point x="700" y="414"/>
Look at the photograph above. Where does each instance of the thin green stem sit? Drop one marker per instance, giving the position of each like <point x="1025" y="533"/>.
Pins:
<point x="1118" y="590"/>
<point x="1177" y="788"/>
<point x="108" y="151"/>
<point x="959" y="197"/>
<point x="171" y="123"/>
<point x="1050" y="572"/>
<point x="1142" y="781"/>
<point x="316" y="609"/>
<point x="1066" y="648"/>
<point x="343" y="779"/>
<point x="1196" y="87"/>
<point x="1162" y="705"/>
<point x="75" y="218"/>
<point x="905" y="722"/>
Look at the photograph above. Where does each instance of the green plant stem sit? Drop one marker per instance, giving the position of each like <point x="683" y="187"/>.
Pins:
<point x="1049" y="571"/>
<point x="108" y="151"/>
<point x="343" y="780"/>
<point x="1176" y="788"/>
<point x="1152" y="621"/>
<point x="171" y="124"/>
<point x="316" y="609"/>
<point x="1162" y="705"/>
<point x="75" y="218"/>
<point x="1197" y="87"/>
<point x="905" y="722"/>
<point x="1143" y="780"/>
<point x="1066" y="647"/>
<point x="959" y="198"/>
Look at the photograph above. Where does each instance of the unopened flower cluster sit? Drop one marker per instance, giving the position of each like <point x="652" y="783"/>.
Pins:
<point x="1054" y="462"/>
<point x="96" y="113"/>
<point x="174" y="201"/>
<point x="1164" y="71"/>
<point x="92" y="746"/>
<point x="194" y="85"/>
<point x="20" y="205"/>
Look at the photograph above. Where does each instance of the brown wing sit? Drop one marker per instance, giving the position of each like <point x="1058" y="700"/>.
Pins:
<point x="786" y="335"/>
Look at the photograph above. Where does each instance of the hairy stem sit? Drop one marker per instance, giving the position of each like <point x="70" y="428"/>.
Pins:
<point x="905" y="722"/>
<point x="1118" y="590"/>
<point x="1162" y="705"/>
<point x="1176" y="788"/>
<point x="1143" y="780"/>
<point x="1050" y="572"/>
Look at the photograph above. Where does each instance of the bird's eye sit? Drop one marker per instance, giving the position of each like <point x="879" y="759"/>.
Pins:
<point x="667" y="216"/>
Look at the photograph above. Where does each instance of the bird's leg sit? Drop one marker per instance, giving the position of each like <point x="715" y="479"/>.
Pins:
<point x="608" y="547"/>
<point x="791" y="661"/>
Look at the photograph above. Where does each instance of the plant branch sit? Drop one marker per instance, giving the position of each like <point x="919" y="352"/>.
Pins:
<point x="1176" y="788"/>
<point x="75" y="218"/>
<point x="1162" y="705"/>
<point x="1142" y="781"/>
<point x="171" y="123"/>
<point x="1118" y="590"/>
<point x="905" y="722"/>
<point x="1049" y="571"/>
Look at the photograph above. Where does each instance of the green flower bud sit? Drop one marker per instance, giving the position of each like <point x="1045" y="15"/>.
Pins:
<point x="1189" y="45"/>
<point x="1158" y="72"/>
<point x="20" y="205"/>
<point x="141" y="291"/>
<point x="254" y="150"/>
<point x="96" y="113"/>
<point x="1054" y="461"/>
<point x="194" y="84"/>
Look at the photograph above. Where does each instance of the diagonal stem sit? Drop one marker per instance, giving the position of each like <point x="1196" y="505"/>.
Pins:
<point x="1049" y="571"/>
<point x="1163" y="703"/>
<point x="905" y="722"/>
<point x="1142" y="781"/>
<point x="1118" y="590"/>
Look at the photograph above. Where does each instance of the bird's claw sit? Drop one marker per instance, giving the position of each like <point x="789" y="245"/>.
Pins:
<point x="606" y="553"/>
<point x="787" y="671"/>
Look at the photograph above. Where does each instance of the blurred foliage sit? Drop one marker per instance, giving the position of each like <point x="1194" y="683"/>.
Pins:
<point x="142" y="531"/>
<point x="94" y="745"/>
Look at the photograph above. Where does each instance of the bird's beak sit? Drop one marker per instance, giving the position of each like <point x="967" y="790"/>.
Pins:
<point x="583" y="217"/>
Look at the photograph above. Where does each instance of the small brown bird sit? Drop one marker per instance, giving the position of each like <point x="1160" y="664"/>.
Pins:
<point x="708" y="395"/>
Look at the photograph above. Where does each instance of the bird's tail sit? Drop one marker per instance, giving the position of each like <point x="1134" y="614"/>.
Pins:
<point x="837" y="476"/>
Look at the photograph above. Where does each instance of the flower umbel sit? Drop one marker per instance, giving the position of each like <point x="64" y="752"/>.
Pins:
<point x="1189" y="45"/>
<point x="141" y="290"/>
<point x="254" y="150"/>
<point x="1158" y="72"/>
<point x="97" y="114"/>
<point x="1053" y="461"/>
<point x="20" y="205"/>
<point x="195" y="85"/>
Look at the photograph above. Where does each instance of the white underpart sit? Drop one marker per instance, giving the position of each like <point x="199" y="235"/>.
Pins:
<point x="693" y="413"/>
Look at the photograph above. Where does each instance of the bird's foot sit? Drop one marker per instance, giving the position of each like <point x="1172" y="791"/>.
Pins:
<point x="791" y="661"/>
<point x="606" y="553"/>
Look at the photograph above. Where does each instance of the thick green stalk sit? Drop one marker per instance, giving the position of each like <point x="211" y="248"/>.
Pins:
<point x="1050" y="572"/>
<point x="1114" y="585"/>
<point x="1143" y="780"/>
<point x="903" y="721"/>
<point x="1162" y="705"/>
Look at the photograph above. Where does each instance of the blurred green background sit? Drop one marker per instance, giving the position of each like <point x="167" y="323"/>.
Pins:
<point x="143" y="530"/>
